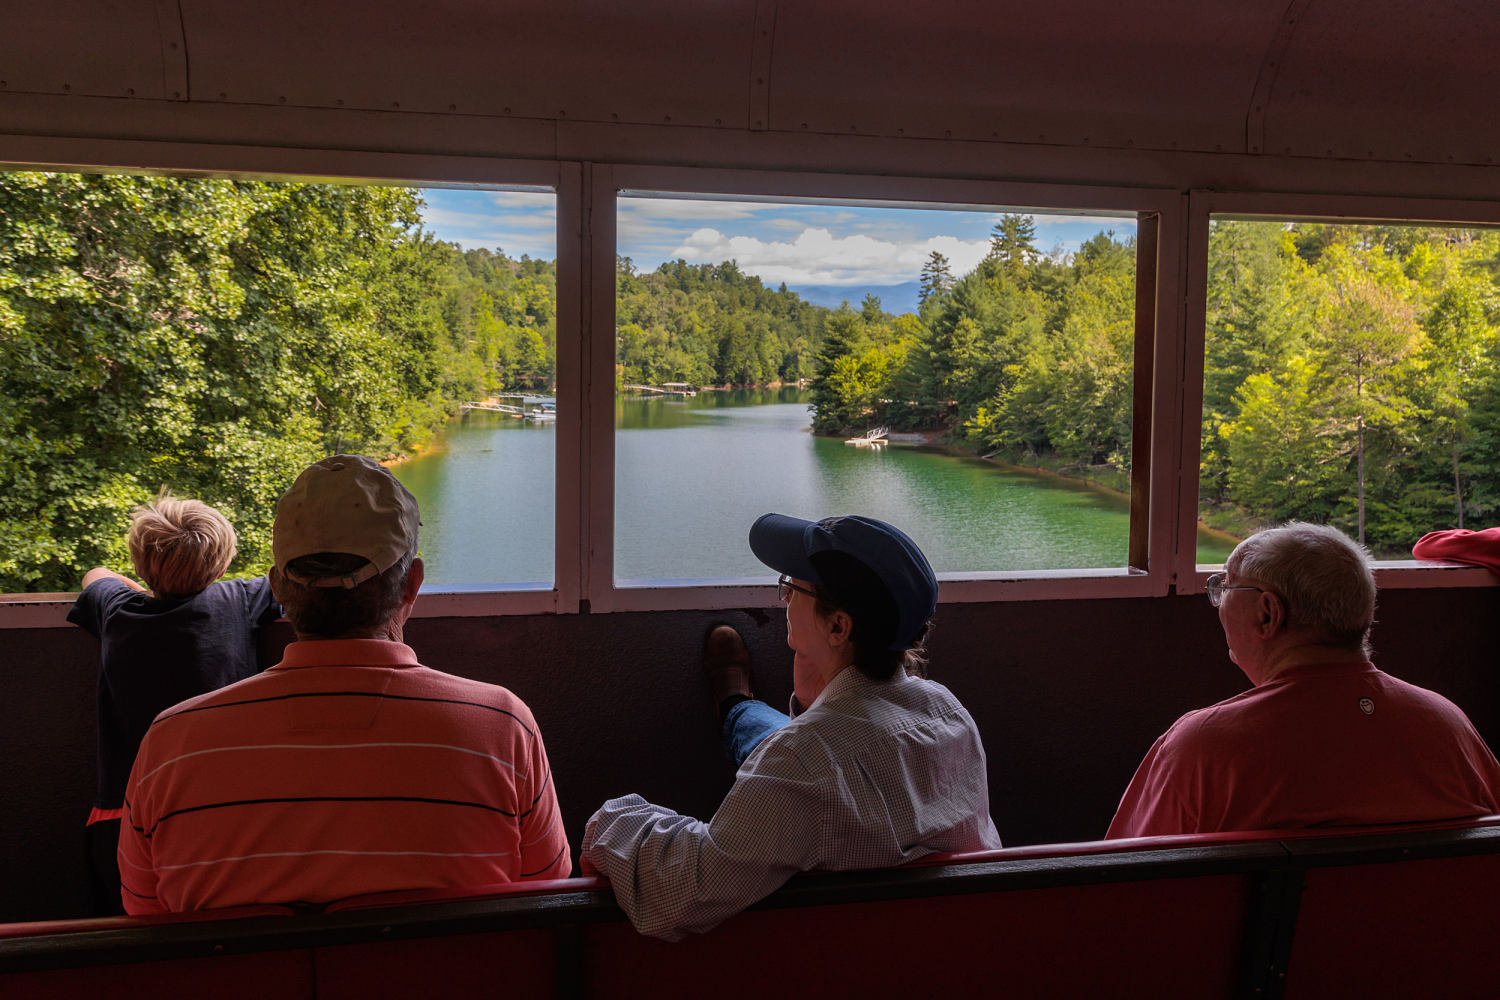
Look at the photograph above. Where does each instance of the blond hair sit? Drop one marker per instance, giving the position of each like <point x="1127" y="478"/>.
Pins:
<point x="179" y="546"/>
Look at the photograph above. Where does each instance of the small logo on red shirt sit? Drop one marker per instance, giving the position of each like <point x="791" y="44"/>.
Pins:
<point x="1367" y="706"/>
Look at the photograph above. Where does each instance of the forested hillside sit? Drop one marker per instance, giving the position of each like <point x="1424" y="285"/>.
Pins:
<point x="1353" y="377"/>
<point x="1352" y="372"/>
<point x="1027" y="356"/>
<point x="710" y="324"/>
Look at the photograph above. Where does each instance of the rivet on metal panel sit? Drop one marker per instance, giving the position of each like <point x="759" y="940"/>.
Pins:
<point x="67" y="86"/>
<point x="130" y="92"/>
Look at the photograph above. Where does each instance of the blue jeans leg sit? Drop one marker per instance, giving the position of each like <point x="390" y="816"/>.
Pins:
<point x="746" y="724"/>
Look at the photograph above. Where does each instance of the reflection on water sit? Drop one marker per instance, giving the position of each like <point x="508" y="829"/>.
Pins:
<point x="692" y="474"/>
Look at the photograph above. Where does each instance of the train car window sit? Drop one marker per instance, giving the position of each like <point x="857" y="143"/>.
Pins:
<point x="1351" y="377"/>
<point x="965" y="372"/>
<point x="211" y="336"/>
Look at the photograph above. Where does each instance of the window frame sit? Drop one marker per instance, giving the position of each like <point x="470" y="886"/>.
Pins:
<point x="1158" y="332"/>
<point x="1203" y="205"/>
<point x="564" y="178"/>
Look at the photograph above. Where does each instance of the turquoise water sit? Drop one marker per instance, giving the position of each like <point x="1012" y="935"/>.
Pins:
<point x="692" y="474"/>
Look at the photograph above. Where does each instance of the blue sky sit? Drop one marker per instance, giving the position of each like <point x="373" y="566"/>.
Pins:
<point x="803" y="245"/>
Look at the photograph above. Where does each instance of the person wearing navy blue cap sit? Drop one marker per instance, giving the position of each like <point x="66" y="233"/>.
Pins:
<point x="875" y="766"/>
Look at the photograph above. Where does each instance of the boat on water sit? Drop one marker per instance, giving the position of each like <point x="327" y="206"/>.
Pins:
<point x="543" y="413"/>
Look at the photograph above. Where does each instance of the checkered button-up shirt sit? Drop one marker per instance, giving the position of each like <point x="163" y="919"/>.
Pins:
<point x="874" y="774"/>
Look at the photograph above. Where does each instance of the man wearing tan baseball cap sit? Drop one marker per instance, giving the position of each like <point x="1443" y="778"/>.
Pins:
<point x="348" y="768"/>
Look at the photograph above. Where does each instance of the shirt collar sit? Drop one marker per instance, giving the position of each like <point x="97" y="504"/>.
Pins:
<point x="850" y="681"/>
<point x="345" y="653"/>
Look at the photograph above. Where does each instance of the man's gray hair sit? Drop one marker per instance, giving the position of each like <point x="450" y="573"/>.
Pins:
<point x="1322" y="575"/>
<point x="335" y="612"/>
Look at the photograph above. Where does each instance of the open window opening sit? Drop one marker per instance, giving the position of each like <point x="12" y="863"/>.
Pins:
<point x="1351" y="377"/>
<point x="212" y="336"/>
<point x="968" y="373"/>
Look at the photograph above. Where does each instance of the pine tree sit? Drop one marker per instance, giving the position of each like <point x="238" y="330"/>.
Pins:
<point x="1013" y="244"/>
<point x="937" y="278"/>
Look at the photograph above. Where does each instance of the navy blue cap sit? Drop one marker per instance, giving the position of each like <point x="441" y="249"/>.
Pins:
<point x="787" y="545"/>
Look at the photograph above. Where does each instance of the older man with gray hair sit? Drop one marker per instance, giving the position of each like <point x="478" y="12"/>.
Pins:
<point x="1323" y="738"/>
<point x="348" y="768"/>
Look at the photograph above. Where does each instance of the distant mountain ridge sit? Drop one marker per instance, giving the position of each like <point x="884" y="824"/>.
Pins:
<point x="894" y="299"/>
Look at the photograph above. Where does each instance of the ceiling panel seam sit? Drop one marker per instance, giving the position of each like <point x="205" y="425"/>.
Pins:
<point x="1265" y="80"/>
<point x="174" y="60"/>
<point x="759" y="116"/>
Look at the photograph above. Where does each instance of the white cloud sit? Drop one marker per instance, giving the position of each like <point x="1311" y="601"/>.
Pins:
<point x="817" y="257"/>
<point x="537" y="200"/>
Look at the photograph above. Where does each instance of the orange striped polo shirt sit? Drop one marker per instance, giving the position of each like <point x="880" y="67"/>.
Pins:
<point x="345" y="769"/>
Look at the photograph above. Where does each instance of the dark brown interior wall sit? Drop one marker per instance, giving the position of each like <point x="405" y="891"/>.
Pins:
<point x="1068" y="696"/>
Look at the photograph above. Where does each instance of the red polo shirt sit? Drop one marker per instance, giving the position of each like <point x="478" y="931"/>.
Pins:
<point x="347" y="768"/>
<point x="1329" y="744"/>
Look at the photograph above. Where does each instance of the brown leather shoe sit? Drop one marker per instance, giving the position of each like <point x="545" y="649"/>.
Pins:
<point x="726" y="664"/>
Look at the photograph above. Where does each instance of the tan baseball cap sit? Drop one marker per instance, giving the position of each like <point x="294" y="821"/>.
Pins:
<point x="349" y="504"/>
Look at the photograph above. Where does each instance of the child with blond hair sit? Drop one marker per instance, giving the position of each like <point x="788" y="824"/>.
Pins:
<point x="183" y="633"/>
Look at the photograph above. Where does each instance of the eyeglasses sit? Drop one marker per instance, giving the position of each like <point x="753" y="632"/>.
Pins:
<point x="785" y="586"/>
<point x="1216" y="589"/>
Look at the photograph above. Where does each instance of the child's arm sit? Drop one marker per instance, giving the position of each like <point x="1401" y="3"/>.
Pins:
<point x="100" y="573"/>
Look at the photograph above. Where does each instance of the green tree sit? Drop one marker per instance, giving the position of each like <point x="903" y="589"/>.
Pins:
<point x="1013" y="244"/>
<point x="936" y="279"/>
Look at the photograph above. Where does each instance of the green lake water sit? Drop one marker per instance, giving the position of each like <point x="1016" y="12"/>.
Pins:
<point x="692" y="474"/>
